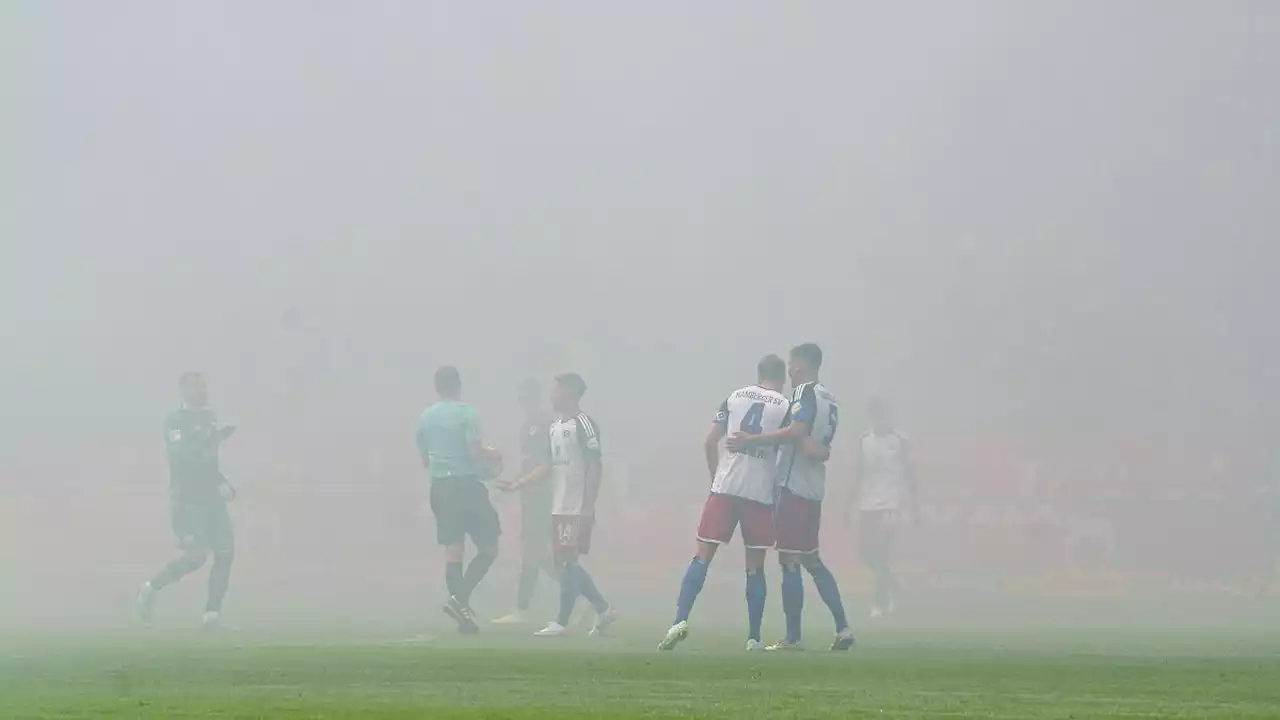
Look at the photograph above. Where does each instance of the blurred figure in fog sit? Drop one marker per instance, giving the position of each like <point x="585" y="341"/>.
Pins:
<point x="885" y="481"/>
<point x="458" y="463"/>
<point x="535" y="502"/>
<point x="198" y="497"/>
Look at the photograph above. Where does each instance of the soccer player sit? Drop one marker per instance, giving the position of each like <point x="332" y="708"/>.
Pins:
<point x="535" y="503"/>
<point x="885" y="479"/>
<point x="741" y="493"/>
<point x="802" y="470"/>
<point x="457" y="462"/>
<point x="198" y="497"/>
<point x="573" y="463"/>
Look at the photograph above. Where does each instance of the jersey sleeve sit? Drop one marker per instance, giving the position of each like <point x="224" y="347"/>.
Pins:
<point x="722" y="415"/>
<point x="588" y="436"/>
<point x="804" y="405"/>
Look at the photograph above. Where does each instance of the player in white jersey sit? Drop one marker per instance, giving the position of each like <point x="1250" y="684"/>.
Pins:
<point x="742" y="488"/>
<point x="802" y="472"/>
<point x="573" y="462"/>
<point x="885" y="479"/>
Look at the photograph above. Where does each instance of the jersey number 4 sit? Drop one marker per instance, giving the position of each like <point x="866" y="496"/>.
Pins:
<point x="751" y="421"/>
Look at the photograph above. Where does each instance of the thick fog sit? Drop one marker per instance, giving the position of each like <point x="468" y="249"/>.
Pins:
<point x="1045" y="231"/>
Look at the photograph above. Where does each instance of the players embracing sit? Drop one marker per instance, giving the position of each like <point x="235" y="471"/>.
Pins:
<point x="770" y="478"/>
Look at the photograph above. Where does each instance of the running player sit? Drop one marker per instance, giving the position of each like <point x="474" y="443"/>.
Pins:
<point x="741" y="493"/>
<point x="573" y="463"/>
<point x="457" y="462"/>
<point x="198" y="497"/>
<point x="885" y="479"/>
<point x="802" y="482"/>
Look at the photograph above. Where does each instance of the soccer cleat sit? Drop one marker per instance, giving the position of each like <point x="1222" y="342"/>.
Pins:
<point x="212" y="622"/>
<point x="145" y="603"/>
<point x="754" y="645"/>
<point x="876" y="613"/>
<point x="515" y="618"/>
<point x="844" y="640"/>
<point x="604" y="621"/>
<point x="785" y="646"/>
<point x="463" y="615"/>
<point x="553" y="629"/>
<point x="677" y="633"/>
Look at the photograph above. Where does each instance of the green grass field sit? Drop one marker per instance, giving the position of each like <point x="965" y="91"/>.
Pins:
<point x="893" y="673"/>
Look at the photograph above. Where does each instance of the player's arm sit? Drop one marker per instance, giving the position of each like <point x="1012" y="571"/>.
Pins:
<point x="719" y="428"/>
<point x="799" y="424"/>
<point x="815" y="450"/>
<point x="538" y="473"/>
<point x="594" y="470"/>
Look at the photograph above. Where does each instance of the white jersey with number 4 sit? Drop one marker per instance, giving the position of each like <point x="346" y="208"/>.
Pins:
<point x="750" y="474"/>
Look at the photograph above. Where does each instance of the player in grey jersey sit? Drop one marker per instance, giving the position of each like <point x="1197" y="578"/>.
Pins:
<point x="802" y="473"/>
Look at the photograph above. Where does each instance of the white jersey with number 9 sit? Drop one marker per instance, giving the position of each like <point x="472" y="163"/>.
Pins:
<point x="750" y="474"/>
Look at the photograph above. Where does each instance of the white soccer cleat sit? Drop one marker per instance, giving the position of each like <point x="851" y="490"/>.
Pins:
<point x="677" y="633"/>
<point x="604" y="621"/>
<point x="876" y="613"/>
<point x="515" y="618"/>
<point x="784" y="646"/>
<point x="754" y="646"/>
<point x="212" y="622"/>
<point x="553" y="629"/>
<point x="145" y="604"/>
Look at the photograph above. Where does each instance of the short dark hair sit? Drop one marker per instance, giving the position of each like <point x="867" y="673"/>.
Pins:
<point x="771" y="367"/>
<point x="448" y="380"/>
<point x="573" y="382"/>
<point x="810" y="353"/>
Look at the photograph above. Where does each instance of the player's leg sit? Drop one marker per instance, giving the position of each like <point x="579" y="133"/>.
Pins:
<point x="823" y="580"/>
<point x="195" y="552"/>
<point x="564" y="531"/>
<point x="535" y="559"/>
<point x="715" y="527"/>
<point x="875" y="554"/>
<point x="451" y="533"/>
<point x="758" y="537"/>
<point x="222" y="541"/>
<point x="605" y="614"/>
<point x="484" y="527"/>
<point x="789" y="524"/>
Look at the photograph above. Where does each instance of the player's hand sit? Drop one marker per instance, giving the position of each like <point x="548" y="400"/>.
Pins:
<point x="227" y="492"/>
<point x="737" y="442"/>
<point x="226" y="431"/>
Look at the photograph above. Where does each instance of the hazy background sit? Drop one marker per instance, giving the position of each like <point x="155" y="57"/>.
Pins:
<point x="1046" y="230"/>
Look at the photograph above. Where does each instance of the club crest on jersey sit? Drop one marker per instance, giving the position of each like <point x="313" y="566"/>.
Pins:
<point x="567" y="432"/>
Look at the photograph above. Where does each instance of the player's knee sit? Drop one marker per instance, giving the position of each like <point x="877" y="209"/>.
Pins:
<point x="454" y="553"/>
<point x="813" y="563"/>
<point x="706" y="551"/>
<point x="788" y="560"/>
<point x="195" y="557"/>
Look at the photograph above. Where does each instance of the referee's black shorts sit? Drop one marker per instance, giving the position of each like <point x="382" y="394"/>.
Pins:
<point x="461" y="507"/>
